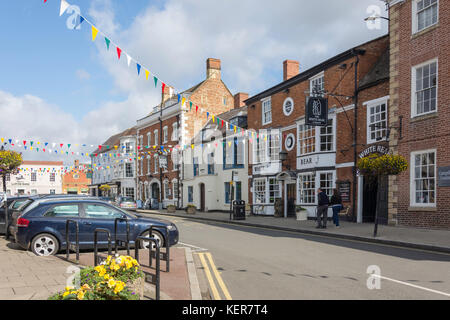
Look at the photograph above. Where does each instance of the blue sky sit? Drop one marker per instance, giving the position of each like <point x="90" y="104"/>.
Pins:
<point x="56" y="85"/>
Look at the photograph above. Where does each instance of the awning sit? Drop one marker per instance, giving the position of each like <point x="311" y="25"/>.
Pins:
<point x="287" y="176"/>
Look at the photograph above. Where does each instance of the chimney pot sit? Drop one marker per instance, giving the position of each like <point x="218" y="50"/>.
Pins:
<point x="291" y="68"/>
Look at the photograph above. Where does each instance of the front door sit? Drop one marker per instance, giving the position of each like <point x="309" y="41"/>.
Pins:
<point x="291" y="190"/>
<point x="371" y="188"/>
<point x="155" y="191"/>
<point x="202" y="197"/>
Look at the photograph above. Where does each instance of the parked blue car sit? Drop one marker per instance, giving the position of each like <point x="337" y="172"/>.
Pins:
<point x="41" y="227"/>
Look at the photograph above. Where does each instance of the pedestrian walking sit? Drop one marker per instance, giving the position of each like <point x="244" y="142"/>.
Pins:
<point x="336" y="204"/>
<point x="322" y="209"/>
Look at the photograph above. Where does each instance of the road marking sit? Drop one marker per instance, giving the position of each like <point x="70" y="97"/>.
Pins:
<point x="209" y="277"/>
<point x="218" y="277"/>
<point x="412" y="285"/>
<point x="197" y="249"/>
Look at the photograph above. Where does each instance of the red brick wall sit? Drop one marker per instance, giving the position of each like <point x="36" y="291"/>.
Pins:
<point x="342" y="81"/>
<point x="426" y="132"/>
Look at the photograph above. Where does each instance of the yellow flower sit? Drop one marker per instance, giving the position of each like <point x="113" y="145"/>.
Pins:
<point x="65" y="294"/>
<point x="119" y="287"/>
<point x="107" y="277"/>
<point x="129" y="264"/>
<point x="80" y="295"/>
<point x="68" y="288"/>
<point x="86" y="287"/>
<point x="111" y="283"/>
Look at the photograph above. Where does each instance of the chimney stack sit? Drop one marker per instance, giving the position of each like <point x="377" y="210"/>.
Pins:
<point x="239" y="99"/>
<point x="167" y="94"/>
<point x="213" y="68"/>
<point x="291" y="68"/>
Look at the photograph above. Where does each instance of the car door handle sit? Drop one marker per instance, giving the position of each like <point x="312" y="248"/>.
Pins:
<point x="87" y="223"/>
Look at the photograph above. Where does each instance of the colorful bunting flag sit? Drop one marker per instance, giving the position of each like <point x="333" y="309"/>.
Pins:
<point x="119" y="51"/>
<point x="63" y="8"/>
<point x="107" y="42"/>
<point x="94" y="33"/>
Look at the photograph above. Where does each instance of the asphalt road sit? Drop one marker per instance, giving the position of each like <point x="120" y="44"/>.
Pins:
<point x="253" y="263"/>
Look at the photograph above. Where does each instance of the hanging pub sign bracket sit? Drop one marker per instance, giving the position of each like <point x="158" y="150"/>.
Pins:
<point x="316" y="113"/>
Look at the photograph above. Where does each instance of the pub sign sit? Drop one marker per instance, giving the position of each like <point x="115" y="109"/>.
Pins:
<point x="316" y="111"/>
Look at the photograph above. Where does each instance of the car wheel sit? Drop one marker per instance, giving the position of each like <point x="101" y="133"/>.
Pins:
<point x="44" y="245"/>
<point x="156" y="234"/>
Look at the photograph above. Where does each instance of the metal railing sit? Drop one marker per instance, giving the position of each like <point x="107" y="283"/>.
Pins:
<point x="77" y="240"/>
<point x="96" y="232"/>
<point x="127" y="242"/>
<point x="157" y="267"/>
<point x="166" y="255"/>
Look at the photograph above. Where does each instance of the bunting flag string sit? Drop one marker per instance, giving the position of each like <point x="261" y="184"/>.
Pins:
<point x="139" y="66"/>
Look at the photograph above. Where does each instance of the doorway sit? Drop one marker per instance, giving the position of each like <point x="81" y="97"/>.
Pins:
<point x="202" y="197"/>
<point x="155" y="191"/>
<point x="290" y="198"/>
<point x="370" y="201"/>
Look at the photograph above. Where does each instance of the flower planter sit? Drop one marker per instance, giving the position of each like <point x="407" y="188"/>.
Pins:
<point x="191" y="210"/>
<point x="137" y="286"/>
<point x="171" y="209"/>
<point x="302" y="215"/>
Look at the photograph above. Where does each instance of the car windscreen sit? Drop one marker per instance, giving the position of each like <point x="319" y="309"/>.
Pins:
<point x="24" y="205"/>
<point x="18" y="203"/>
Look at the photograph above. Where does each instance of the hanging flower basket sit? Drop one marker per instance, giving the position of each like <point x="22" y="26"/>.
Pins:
<point x="387" y="164"/>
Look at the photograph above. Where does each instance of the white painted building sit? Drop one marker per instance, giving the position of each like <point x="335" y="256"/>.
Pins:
<point x="35" y="177"/>
<point x="115" y="165"/>
<point x="219" y="156"/>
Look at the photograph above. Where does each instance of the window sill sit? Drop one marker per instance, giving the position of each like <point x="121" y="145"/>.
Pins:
<point x="424" y="117"/>
<point x="424" y="31"/>
<point x="428" y="209"/>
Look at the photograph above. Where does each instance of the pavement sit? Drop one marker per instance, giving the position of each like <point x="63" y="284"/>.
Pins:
<point x="25" y="276"/>
<point x="425" y="239"/>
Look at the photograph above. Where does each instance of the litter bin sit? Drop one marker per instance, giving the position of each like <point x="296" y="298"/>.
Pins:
<point x="238" y="210"/>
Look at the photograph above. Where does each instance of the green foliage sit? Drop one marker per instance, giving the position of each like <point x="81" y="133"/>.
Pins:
<point x="387" y="164"/>
<point x="9" y="161"/>
<point x="112" y="280"/>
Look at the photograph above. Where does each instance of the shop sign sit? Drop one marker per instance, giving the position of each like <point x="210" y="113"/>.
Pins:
<point x="374" y="149"/>
<point x="316" y="111"/>
<point x="444" y="177"/>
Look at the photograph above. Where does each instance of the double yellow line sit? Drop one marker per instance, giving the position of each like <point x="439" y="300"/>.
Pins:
<point x="209" y="276"/>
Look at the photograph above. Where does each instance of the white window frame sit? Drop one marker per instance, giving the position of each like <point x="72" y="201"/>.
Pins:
<point x="174" y="131"/>
<point x="372" y="104"/>
<point x="317" y="135"/>
<point x="148" y="164"/>
<point x="175" y="188"/>
<point x="412" y="196"/>
<point x="149" y="137"/>
<point x="316" y="178"/>
<point x="156" y="163"/>
<point x="257" y="181"/>
<point x="166" y="187"/>
<point x="264" y="103"/>
<point x="315" y="78"/>
<point x="415" y="18"/>
<point x="165" y="134"/>
<point x="155" y="134"/>
<point x="413" y="88"/>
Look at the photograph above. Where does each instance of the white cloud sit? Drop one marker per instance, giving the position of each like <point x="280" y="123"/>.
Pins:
<point x="83" y="74"/>
<point x="252" y="38"/>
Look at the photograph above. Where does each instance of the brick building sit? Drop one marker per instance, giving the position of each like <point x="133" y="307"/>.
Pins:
<point x="320" y="156"/>
<point x="420" y="94"/>
<point x="172" y="124"/>
<point x="77" y="180"/>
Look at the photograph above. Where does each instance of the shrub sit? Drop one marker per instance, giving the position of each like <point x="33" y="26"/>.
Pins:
<point x="387" y="164"/>
<point x="111" y="280"/>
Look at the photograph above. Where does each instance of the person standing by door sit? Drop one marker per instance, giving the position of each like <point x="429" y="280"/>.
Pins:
<point x="322" y="209"/>
<point x="336" y="203"/>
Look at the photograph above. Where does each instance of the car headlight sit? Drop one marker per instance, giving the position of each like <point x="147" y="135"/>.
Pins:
<point x="171" y="227"/>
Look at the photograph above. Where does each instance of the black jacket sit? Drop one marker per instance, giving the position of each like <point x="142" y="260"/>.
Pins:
<point x="336" y="199"/>
<point x="323" y="199"/>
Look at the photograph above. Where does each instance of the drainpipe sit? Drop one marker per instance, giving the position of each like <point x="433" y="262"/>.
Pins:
<point x="355" y="132"/>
